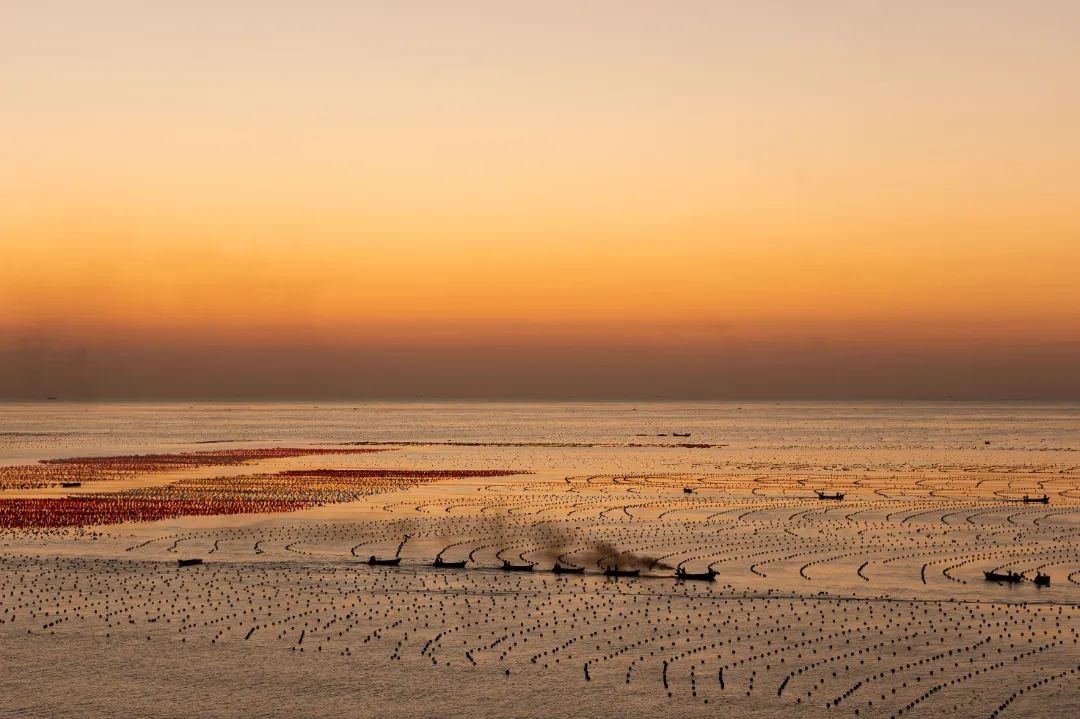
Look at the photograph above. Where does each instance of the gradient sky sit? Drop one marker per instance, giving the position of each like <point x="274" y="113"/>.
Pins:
<point x="563" y="199"/>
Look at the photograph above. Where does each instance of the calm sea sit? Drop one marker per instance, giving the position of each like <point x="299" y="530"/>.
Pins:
<point x="34" y="430"/>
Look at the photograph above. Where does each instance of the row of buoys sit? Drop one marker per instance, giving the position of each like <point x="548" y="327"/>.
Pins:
<point x="857" y="650"/>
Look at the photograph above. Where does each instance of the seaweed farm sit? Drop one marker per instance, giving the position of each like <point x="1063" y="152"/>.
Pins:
<point x="545" y="560"/>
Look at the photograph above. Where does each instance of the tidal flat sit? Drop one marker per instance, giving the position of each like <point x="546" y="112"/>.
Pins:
<point x="811" y="559"/>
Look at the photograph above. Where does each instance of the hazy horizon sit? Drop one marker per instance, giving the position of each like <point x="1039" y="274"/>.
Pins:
<point x="767" y="373"/>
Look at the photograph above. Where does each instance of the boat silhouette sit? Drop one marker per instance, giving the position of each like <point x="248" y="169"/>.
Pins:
<point x="616" y="572"/>
<point x="508" y="567"/>
<point x="390" y="562"/>
<point x="1042" y="580"/>
<point x="1036" y="500"/>
<point x="834" y="495"/>
<point x="441" y="564"/>
<point x="188" y="562"/>
<point x="706" y="576"/>
<point x="1010" y="577"/>
<point x="560" y="569"/>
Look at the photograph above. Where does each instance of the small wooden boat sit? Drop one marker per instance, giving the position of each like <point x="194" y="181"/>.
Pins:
<point x="560" y="569"/>
<point x="508" y="567"/>
<point x="707" y="576"/>
<point x="188" y="562"/>
<point x="680" y="434"/>
<point x="71" y="484"/>
<point x="1036" y="500"/>
<point x="1010" y="577"/>
<point x="441" y="564"/>
<point x="834" y="495"/>
<point x="687" y="490"/>
<point x="616" y="572"/>
<point x="391" y="562"/>
<point x="1042" y="580"/>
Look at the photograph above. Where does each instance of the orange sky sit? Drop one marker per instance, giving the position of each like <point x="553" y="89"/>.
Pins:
<point x="696" y="177"/>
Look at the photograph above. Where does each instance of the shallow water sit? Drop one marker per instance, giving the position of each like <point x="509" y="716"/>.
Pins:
<point x="863" y="607"/>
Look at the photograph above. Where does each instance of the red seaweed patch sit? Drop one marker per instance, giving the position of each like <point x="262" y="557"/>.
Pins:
<point x="89" y="510"/>
<point x="55" y="472"/>
<point x="246" y="494"/>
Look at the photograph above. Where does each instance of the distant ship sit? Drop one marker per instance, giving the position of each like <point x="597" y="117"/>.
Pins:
<point x="707" y="576"/>
<point x="823" y="495"/>
<point x="1010" y="577"/>
<point x="680" y="434"/>
<point x="188" y="562"/>
<point x="1036" y="500"/>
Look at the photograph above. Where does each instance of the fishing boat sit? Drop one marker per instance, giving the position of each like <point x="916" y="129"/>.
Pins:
<point x="391" y="562"/>
<point x="616" y="572"/>
<point x="1042" y="580"/>
<point x="707" y="576"/>
<point x="442" y="564"/>
<point x="1010" y="577"/>
<point x="687" y="490"/>
<point x="1036" y="500"/>
<point x="824" y="495"/>
<point x="508" y="567"/>
<point x="680" y="434"/>
<point x="71" y="484"/>
<point x="560" y="569"/>
<point x="188" y="562"/>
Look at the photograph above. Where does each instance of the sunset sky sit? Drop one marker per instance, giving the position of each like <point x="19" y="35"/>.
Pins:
<point x="563" y="199"/>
